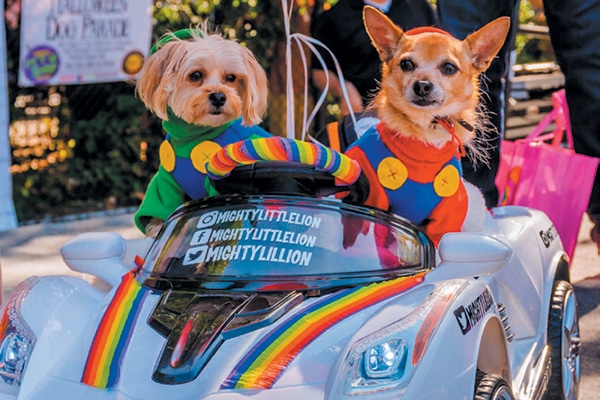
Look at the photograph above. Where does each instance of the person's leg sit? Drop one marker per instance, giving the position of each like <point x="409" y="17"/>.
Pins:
<point x="461" y="18"/>
<point x="575" y="33"/>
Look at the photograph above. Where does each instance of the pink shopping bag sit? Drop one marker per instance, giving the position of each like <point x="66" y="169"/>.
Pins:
<point x="542" y="172"/>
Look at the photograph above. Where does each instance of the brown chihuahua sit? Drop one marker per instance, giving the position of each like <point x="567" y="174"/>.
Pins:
<point x="428" y="105"/>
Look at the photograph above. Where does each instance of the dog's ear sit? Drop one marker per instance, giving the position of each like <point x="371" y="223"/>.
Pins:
<point x="484" y="44"/>
<point x="384" y="34"/>
<point x="256" y="90"/>
<point x="152" y="86"/>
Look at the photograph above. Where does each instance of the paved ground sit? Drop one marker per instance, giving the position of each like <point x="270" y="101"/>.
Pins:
<point x="585" y="274"/>
<point x="33" y="250"/>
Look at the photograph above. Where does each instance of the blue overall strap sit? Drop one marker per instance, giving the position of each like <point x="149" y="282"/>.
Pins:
<point x="192" y="181"/>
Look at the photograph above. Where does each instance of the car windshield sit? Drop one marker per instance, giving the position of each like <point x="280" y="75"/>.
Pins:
<point x="279" y="241"/>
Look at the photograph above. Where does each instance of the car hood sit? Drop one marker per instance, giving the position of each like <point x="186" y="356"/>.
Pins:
<point x="198" y="343"/>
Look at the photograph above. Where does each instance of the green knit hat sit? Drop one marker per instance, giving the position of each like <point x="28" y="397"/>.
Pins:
<point x="183" y="34"/>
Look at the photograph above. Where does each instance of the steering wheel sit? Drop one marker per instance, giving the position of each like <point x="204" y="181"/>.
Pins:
<point x="286" y="166"/>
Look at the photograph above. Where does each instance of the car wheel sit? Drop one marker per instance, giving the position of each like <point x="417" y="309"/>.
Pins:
<point x="565" y="344"/>
<point x="492" y="387"/>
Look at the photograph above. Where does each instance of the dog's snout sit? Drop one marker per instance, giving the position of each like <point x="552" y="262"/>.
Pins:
<point x="217" y="99"/>
<point x="422" y="88"/>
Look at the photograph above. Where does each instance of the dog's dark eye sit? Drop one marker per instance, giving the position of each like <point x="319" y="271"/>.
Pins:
<point x="407" y="65"/>
<point x="230" y="78"/>
<point x="449" y="69"/>
<point x="196" y="76"/>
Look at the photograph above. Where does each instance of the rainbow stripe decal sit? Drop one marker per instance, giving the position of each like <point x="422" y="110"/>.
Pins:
<point x="265" y="362"/>
<point x="276" y="148"/>
<point x="113" y="333"/>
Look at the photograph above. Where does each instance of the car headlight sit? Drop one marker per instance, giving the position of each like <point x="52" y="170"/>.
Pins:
<point x="16" y="339"/>
<point x="386" y="359"/>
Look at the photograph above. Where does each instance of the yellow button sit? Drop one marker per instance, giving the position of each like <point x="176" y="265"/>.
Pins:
<point x="392" y="173"/>
<point x="202" y="153"/>
<point x="446" y="182"/>
<point x="167" y="156"/>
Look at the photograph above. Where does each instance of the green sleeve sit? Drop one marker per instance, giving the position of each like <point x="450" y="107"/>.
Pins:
<point x="162" y="197"/>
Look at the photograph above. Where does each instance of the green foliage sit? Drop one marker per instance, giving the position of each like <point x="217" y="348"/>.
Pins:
<point x="107" y="144"/>
<point x="106" y="126"/>
<point x="255" y="24"/>
<point x="532" y="48"/>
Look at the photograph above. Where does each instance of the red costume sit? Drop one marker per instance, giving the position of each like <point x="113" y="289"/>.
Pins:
<point x="413" y="179"/>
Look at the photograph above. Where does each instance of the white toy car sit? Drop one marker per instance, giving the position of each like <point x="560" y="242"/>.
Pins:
<point x="300" y="296"/>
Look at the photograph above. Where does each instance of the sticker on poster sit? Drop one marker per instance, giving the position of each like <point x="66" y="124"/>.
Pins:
<point x="41" y="64"/>
<point x="133" y="62"/>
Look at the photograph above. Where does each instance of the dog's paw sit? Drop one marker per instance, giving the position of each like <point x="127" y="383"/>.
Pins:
<point x="476" y="211"/>
<point x="153" y="227"/>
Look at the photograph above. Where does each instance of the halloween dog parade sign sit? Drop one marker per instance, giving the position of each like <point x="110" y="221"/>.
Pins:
<point x="83" y="41"/>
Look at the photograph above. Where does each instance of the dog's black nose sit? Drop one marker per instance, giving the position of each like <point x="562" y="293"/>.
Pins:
<point x="217" y="99"/>
<point x="422" y="88"/>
